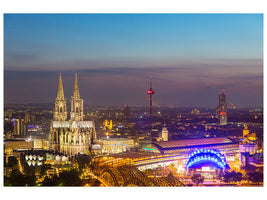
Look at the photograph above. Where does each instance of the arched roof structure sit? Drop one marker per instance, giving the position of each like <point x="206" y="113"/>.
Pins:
<point x="131" y="176"/>
<point x="206" y="157"/>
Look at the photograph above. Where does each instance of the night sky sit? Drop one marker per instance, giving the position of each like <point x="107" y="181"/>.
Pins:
<point x="191" y="58"/>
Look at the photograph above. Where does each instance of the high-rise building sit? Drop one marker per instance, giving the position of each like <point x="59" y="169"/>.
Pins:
<point x="71" y="136"/>
<point x="127" y="113"/>
<point x="30" y="117"/>
<point x="19" y="127"/>
<point x="27" y="117"/>
<point x="16" y="127"/>
<point x="164" y="133"/>
<point x="222" y="109"/>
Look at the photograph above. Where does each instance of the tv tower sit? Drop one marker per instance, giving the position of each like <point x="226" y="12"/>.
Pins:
<point x="150" y="92"/>
<point x="222" y="109"/>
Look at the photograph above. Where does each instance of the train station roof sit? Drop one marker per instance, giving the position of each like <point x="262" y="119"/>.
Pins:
<point x="187" y="143"/>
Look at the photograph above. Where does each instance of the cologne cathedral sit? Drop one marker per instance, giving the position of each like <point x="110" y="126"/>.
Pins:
<point x="74" y="135"/>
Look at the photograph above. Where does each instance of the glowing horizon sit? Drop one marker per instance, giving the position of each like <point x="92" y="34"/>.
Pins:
<point x="190" y="56"/>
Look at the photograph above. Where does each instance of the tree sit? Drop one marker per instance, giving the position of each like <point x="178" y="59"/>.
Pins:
<point x="50" y="181"/>
<point x="87" y="152"/>
<point x="13" y="162"/>
<point x="7" y="181"/>
<point x="83" y="160"/>
<point x="18" y="179"/>
<point x="44" y="168"/>
<point x="8" y="127"/>
<point x="255" y="177"/>
<point x="69" y="178"/>
<point x="30" y="180"/>
<point x="230" y="177"/>
<point x="238" y="177"/>
<point x="197" y="178"/>
<point x="65" y="178"/>
<point x="220" y="175"/>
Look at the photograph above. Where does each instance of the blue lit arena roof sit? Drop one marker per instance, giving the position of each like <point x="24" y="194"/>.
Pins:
<point x="188" y="143"/>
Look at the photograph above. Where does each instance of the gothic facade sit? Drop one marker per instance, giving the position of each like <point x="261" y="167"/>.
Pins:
<point x="71" y="136"/>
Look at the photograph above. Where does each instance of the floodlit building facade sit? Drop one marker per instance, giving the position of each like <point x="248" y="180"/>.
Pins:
<point x="165" y="134"/>
<point x="19" y="127"/>
<point x="205" y="152"/>
<point x="72" y="136"/>
<point x="116" y="145"/>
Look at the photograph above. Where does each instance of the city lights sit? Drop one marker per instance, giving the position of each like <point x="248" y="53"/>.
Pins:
<point x="94" y="118"/>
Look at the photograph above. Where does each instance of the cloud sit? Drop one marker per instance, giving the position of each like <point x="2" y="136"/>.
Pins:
<point x="20" y="57"/>
<point x="190" y="84"/>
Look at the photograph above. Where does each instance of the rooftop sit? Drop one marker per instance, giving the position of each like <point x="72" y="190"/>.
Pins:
<point x="193" y="142"/>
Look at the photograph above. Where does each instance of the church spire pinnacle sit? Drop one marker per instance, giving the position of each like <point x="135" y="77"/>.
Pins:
<point x="60" y="92"/>
<point x="60" y="111"/>
<point x="76" y="110"/>
<point x="76" y="93"/>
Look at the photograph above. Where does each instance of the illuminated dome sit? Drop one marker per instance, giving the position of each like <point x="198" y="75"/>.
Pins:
<point x="203" y="157"/>
<point x="96" y="147"/>
<point x="58" y="158"/>
<point x="64" y="158"/>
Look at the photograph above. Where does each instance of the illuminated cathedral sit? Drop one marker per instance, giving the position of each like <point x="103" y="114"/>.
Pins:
<point x="75" y="135"/>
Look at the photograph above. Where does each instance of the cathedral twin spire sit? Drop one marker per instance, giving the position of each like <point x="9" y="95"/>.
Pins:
<point x="76" y="93"/>
<point x="76" y="108"/>
<point x="60" y="111"/>
<point x="60" y="92"/>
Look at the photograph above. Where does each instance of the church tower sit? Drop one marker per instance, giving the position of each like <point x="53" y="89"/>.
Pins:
<point x="76" y="110"/>
<point x="245" y="130"/>
<point x="72" y="136"/>
<point x="164" y="133"/>
<point x="60" y="111"/>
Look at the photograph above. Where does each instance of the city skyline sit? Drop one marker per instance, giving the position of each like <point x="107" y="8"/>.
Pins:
<point x="191" y="58"/>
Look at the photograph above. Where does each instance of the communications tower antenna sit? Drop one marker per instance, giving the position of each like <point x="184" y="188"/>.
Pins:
<point x="150" y="92"/>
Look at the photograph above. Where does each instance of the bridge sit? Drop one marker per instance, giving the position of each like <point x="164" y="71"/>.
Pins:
<point x="131" y="176"/>
<point x="101" y="179"/>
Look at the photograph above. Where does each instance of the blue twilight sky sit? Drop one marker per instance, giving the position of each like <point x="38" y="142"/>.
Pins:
<point x="191" y="57"/>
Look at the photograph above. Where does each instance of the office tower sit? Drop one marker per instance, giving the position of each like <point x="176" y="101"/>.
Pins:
<point x="127" y="112"/>
<point x="222" y="109"/>
<point x="27" y="117"/>
<point x="16" y="127"/>
<point x="19" y="127"/>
